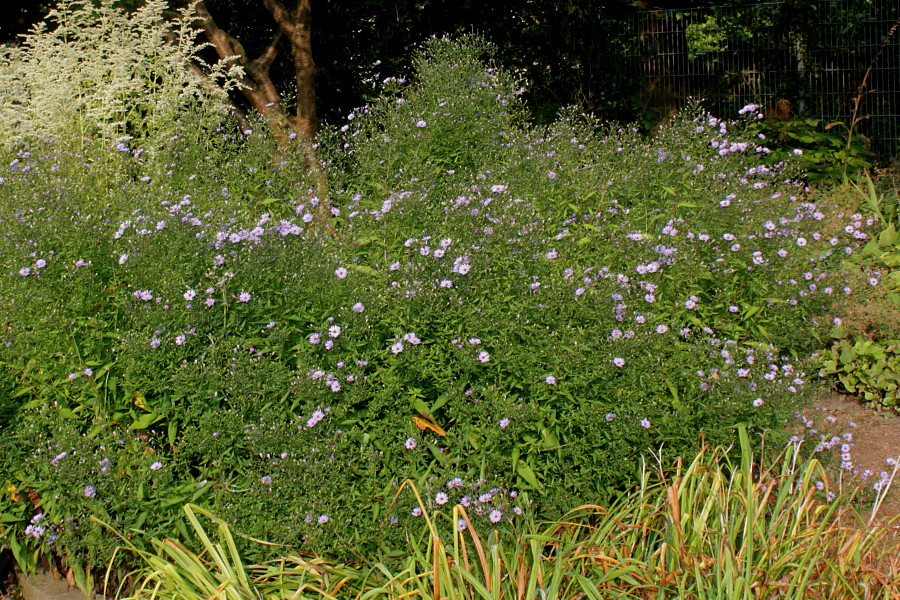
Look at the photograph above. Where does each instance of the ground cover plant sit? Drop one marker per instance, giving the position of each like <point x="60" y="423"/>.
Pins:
<point x="508" y="316"/>
<point x="726" y="525"/>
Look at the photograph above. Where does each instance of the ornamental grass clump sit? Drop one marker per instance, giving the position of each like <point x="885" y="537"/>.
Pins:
<point x="493" y="312"/>
<point x="721" y="526"/>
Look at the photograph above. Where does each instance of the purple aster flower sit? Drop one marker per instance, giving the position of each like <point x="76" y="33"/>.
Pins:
<point x="441" y="498"/>
<point x="244" y="297"/>
<point x="156" y="466"/>
<point x="495" y="516"/>
<point x="411" y="443"/>
<point x="341" y="272"/>
<point x="323" y="519"/>
<point x="645" y="423"/>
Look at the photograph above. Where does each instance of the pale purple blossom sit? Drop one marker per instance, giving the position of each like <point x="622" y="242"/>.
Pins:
<point x="340" y="272"/>
<point x="410" y="443"/>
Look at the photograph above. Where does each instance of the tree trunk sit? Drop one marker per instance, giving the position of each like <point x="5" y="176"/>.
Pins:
<point x="292" y="132"/>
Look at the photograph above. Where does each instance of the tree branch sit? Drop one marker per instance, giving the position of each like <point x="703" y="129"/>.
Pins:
<point x="268" y="55"/>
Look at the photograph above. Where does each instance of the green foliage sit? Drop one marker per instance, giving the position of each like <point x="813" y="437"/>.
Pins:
<point x="867" y="369"/>
<point x="825" y="151"/>
<point x="722" y="526"/>
<point x="508" y="316"/>
<point x="864" y="353"/>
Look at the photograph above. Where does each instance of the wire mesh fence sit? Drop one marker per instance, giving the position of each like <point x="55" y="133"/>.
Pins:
<point x="835" y="60"/>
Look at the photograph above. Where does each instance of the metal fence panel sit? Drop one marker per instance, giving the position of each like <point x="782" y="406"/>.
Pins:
<point x="816" y="58"/>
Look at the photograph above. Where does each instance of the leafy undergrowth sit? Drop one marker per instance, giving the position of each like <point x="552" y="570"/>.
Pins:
<point x="510" y="317"/>
<point x="719" y="527"/>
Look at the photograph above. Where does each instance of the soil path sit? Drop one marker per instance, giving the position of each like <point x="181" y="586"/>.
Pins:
<point x="874" y="438"/>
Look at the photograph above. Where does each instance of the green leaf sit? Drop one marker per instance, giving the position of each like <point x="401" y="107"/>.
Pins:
<point x="527" y="473"/>
<point x="888" y="237"/>
<point x="10" y="518"/>
<point x="145" y="421"/>
<point x="365" y="270"/>
<point x="441" y="401"/>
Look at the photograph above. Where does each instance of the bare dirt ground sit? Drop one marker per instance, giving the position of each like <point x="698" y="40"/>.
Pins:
<point x="874" y="444"/>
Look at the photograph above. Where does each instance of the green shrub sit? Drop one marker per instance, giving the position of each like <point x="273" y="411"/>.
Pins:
<point x="825" y="151"/>
<point x="494" y="310"/>
<point x="863" y="352"/>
